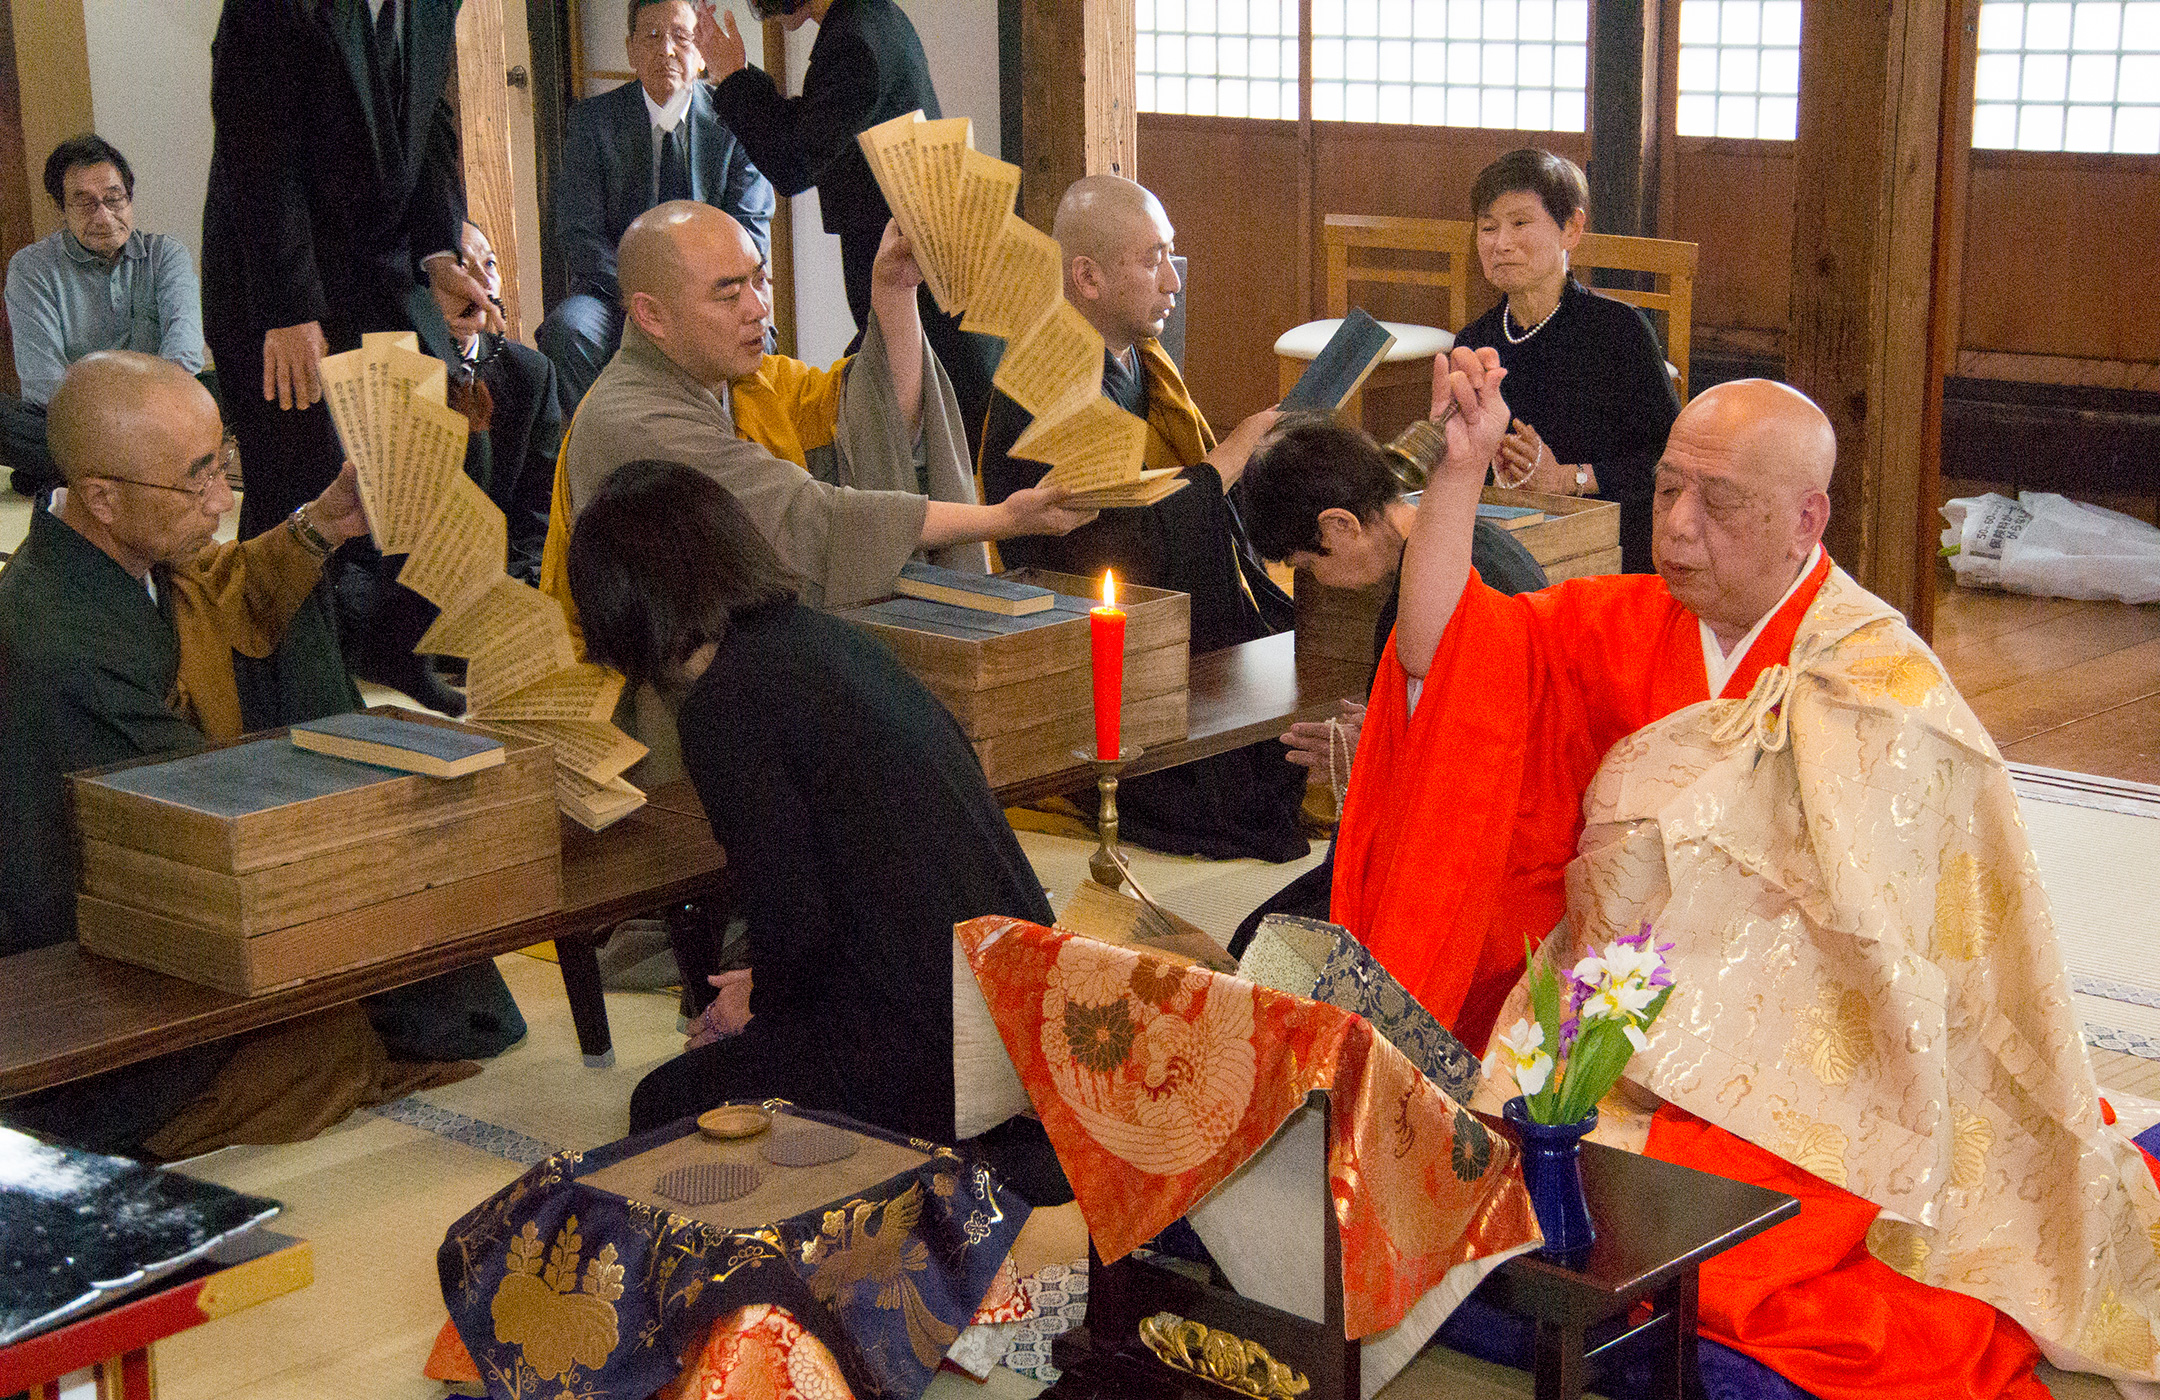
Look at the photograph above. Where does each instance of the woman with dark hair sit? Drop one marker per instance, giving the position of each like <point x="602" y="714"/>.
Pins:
<point x="1586" y="379"/>
<point x="857" y="824"/>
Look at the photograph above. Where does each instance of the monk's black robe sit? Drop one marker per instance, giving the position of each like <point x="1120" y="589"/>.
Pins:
<point x="1242" y="803"/>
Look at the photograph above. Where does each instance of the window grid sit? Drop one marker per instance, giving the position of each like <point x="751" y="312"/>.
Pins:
<point x="1517" y="64"/>
<point x="2063" y="76"/>
<point x="1217" y="58"/>
<point x="1739" y="69"/>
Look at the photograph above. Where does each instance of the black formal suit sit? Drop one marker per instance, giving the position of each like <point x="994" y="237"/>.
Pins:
<point x="326" y="189"/>
<point x="606" y="181"/>
<point x="866" y="67"/>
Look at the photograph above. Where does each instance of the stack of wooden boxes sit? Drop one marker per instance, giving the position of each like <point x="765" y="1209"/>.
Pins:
<point x="257" y="865"/>
<point x="1022" y="688"/>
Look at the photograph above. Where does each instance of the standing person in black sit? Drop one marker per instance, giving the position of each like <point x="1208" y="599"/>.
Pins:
<point x="867" y="66"/>
<point x="857" y="824"/>
<point x="333" y="190"/>
<point x="1586" y="379"/>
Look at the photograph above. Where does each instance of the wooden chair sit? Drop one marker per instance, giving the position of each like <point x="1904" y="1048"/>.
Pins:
<point x="1349" y="240"/>
<point x="1672" y="265"/>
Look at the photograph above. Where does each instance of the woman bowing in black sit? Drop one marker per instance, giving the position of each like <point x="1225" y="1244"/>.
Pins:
<point x="857" y="824"/>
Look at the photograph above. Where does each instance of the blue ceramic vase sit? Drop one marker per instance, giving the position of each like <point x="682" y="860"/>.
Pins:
<point x="1552" y="1170"/>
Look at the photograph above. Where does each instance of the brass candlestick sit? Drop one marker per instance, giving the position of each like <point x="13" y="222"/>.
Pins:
<point x="1102" y="866"/>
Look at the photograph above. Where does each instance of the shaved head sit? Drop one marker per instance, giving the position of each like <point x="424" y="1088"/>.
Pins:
<point x="1102" y="215"/>
<point x="649" y="258"/>
<point x="114" y="405"/>
<point x="694" y="282"/>
<point x="1776" y="433"/>
<point x="1116" y="242"/>
<point x="142" y="448"/>
<point x="1742" y="496"/>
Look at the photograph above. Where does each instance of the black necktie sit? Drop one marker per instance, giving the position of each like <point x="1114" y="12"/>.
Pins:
<point x="390" y="65"/>
<point x="674" y="165"/>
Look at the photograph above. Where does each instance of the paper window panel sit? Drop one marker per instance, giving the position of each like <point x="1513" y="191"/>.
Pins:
<point x="2068" y="75"/>
<point x="1227" y="58"/>
<point x="1739" y="69"/>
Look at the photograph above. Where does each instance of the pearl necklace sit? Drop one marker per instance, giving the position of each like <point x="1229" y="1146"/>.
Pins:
<point x="1508" y="312"/>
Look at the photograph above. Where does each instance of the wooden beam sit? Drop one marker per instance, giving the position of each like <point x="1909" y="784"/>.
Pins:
<point x="483" y="107"/>
<point x="1076" y="98"/>
<point x="1623" y="116"/>
<point x="16" y="228"/>
<point x="1953" y="175"/>
<point x="1308" y="174"/>
<point x="1863" y="272"/>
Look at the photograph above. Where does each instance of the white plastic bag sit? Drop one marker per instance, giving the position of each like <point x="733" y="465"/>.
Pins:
<point x="2052" y="546"/>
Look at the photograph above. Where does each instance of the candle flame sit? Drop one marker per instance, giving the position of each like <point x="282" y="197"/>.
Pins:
<point x="1109" y="589"/>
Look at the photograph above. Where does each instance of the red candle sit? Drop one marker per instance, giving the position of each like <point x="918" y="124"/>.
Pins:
<point x="1106" y="640"/>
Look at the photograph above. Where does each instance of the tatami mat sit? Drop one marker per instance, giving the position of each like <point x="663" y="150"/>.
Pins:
<point x="2098" y="846"/>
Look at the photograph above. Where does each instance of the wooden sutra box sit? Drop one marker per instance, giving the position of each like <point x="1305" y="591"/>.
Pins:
<point x="1021" y="687"/>
<point x="257" y="865"/>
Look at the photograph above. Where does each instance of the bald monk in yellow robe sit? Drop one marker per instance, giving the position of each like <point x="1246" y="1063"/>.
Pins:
<point x="848" y="472"/>
<point x="1870" y="1008"/>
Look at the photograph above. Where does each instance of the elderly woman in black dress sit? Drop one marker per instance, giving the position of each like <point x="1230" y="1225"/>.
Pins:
<point x="1586" y="379"/>
<point x="857" y="824"/>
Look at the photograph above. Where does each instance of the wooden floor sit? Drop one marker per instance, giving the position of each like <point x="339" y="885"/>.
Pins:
<point x="2059" y="684"/>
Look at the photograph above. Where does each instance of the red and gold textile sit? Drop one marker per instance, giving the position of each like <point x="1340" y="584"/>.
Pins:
<point x="1157" y="1081"/>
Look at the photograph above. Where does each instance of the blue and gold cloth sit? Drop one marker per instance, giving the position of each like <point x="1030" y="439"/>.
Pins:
<point x="559" y="1286"/>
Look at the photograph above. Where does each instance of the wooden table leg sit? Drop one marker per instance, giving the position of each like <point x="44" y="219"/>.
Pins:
<point x="1558" y="1364"/>
<point x="579" y="958"/>
<point x="1681" y="1299"/>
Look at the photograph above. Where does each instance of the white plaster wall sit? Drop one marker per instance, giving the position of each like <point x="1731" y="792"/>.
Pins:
<point x="150" y="96"/>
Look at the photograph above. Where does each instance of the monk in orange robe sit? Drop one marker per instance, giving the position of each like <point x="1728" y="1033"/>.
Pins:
<point x="1870" y="1013"/>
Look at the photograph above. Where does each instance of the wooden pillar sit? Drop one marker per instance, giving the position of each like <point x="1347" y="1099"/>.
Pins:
<point x="16" y="229"/>
<point x="483" y="108"/>
<point x="1075" y="74"/>
<point x="1864" y="273"/>
<point x="1624" y="83"/>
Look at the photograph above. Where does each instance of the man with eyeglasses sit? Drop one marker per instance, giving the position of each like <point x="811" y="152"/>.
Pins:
<point x="624" y="151"/>
<point x="127" y="631"/>
<point x="98" y="283"/>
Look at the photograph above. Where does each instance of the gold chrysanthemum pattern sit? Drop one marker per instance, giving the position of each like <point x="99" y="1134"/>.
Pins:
<point x="1971" y="903"/>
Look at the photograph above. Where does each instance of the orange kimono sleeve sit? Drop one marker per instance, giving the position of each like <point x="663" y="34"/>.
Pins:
<point x="1461" y="819"/>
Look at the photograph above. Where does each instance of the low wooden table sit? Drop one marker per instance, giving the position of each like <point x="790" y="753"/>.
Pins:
<point x="66" y="1014"/>
<point x="1656" y="1222"/>
<point x="115" y="1341"/>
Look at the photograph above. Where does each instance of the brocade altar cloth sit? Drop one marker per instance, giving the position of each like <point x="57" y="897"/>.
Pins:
<point x="1156" y="1082"/>
<point x="558" y="1285"/>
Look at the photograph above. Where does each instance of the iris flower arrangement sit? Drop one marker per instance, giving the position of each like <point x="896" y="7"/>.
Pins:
<point x="1573" y="1054"/>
